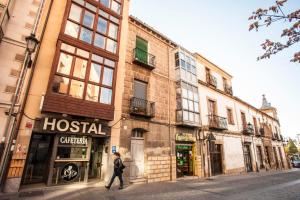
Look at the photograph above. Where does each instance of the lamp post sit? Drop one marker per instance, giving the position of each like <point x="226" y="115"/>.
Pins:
<point x="9" y="139"/>
<point x="31" y="44"/>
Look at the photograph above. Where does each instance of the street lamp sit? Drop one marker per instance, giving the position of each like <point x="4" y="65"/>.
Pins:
<point x="31" y="43"/>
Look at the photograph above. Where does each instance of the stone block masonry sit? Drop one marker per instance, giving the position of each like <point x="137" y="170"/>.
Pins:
<point x="158" y="168"/>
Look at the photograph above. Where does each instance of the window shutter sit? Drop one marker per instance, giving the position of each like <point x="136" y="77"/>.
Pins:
<point x="141" y="52"/>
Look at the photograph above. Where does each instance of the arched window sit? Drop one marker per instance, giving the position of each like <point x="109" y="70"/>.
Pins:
<point x="137" y="133"/>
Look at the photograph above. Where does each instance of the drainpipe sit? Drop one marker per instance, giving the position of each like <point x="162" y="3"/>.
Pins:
<point x="14" y="133"/>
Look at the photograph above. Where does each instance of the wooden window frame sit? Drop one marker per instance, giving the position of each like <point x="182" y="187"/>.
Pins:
<point x="94" y="28"/>
<point x="87" y="74"/>
<point x="244" y="122"/>
<point x="230" y="117"/>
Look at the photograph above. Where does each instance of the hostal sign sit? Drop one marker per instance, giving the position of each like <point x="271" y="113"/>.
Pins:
<point x="71" y="126"/>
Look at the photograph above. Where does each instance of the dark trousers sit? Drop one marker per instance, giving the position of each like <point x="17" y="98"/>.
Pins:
<point x="119" y="175"/>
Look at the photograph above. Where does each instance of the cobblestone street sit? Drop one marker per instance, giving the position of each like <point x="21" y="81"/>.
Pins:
<point x="254" y="186"/>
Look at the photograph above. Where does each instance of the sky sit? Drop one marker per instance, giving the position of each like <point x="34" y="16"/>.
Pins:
<point x="219" y="31"/>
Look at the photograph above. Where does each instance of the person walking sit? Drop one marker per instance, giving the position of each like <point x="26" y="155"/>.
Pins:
<point x="118" y="171"/>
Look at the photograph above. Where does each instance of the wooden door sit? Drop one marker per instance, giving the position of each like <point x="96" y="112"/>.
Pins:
<point x="216" y="159"/>
<point x="248" y="160"/>
<point x="137" y="154"/>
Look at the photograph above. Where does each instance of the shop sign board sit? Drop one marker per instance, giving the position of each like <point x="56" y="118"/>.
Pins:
<point x="186" y="137"/>
<point x="69" y="172"/>
<point x="57" y="125"/>
<point x="73" y="140"/>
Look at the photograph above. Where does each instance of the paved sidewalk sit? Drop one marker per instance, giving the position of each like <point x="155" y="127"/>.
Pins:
<point x="252" y="186"/>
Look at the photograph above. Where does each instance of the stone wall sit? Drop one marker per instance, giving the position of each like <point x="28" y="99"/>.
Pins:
<point x="158" y="168"/>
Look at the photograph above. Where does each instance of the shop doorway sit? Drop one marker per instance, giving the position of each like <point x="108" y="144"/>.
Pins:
<point x="96" y="158"/>
<point x="38" y="159"/>
<point x="247" y="156"/>
<point x="216" y="159"/>
<point x="184" y="160"/>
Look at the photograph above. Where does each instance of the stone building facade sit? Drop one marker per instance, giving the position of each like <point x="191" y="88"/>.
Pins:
<point x="113" y="83"/>
<point x="17" y="20"/>
<point x="73" y="98"/>
<point x="180" y="117"/>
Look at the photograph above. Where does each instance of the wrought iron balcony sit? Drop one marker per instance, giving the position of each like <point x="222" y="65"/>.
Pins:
<point x="144" y="58"/>
<point x="142" y="107"/>
<point x="262" y="131"/>
<point x="228" y="89"/>
<point x="211" y="80"/>
<point x="217" y="122"/>
<point x="248" y="129"/>
<point x="275" y="136"/>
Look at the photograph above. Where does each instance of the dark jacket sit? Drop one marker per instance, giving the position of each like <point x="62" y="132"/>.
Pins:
<point x="118" y="166"/>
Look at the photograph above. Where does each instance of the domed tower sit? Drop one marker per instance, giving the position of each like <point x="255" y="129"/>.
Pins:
<point x="267" y="108"/>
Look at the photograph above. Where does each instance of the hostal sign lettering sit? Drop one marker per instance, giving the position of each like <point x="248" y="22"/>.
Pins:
<point x="63" y="125"/>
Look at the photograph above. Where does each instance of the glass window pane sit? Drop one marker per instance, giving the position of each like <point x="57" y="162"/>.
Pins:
<point x="191" y="117"/>
<point x="109" y="63"/>
<point x="191" y="94"/>
<point x="102" y="13"/>
<point x="184" y="93"/>
<point x="191" y="105"/>
<point x="113" y="31"/>
<point x="86" y="35"/>
<point x="99" y="41"/>
<point x="113" y="19"/>
<point x="92" y="92"/>
<point x="105" y="96"/>
<point x="72" y="29"/>
<point x="105" y="3"/>
<point x="95" y="73"/>
<point x="107" y="76"/>
<point x="88" y="19"/>
<point x="196" y="97"/>
<point x="197" y="118"/>
<point x="83" y="53"/>
<point x="102" y="25"/>
<point x="116" y="7"/>
<point x="185" y="115"/>
<point x="60" y="85"/>
<point x="80" y="68"/>
<point x="188" y="66"/>
<point x="76" y="89"/>
<point x="196" y="106"/>
<point x="91" y="7"/>
<point x="111" y="46"/>
<point x="71" y="152"/>
<point x="182" y="63"/>
<point x="67" y="48"/>
<point x="185" y="104"/>
<point x="75" y="13"/>
<point x="97" y="58"/>
<point x="64" y="64"/>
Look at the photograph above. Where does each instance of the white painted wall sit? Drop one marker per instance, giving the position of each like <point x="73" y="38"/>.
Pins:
<point x="233" y="152"/>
